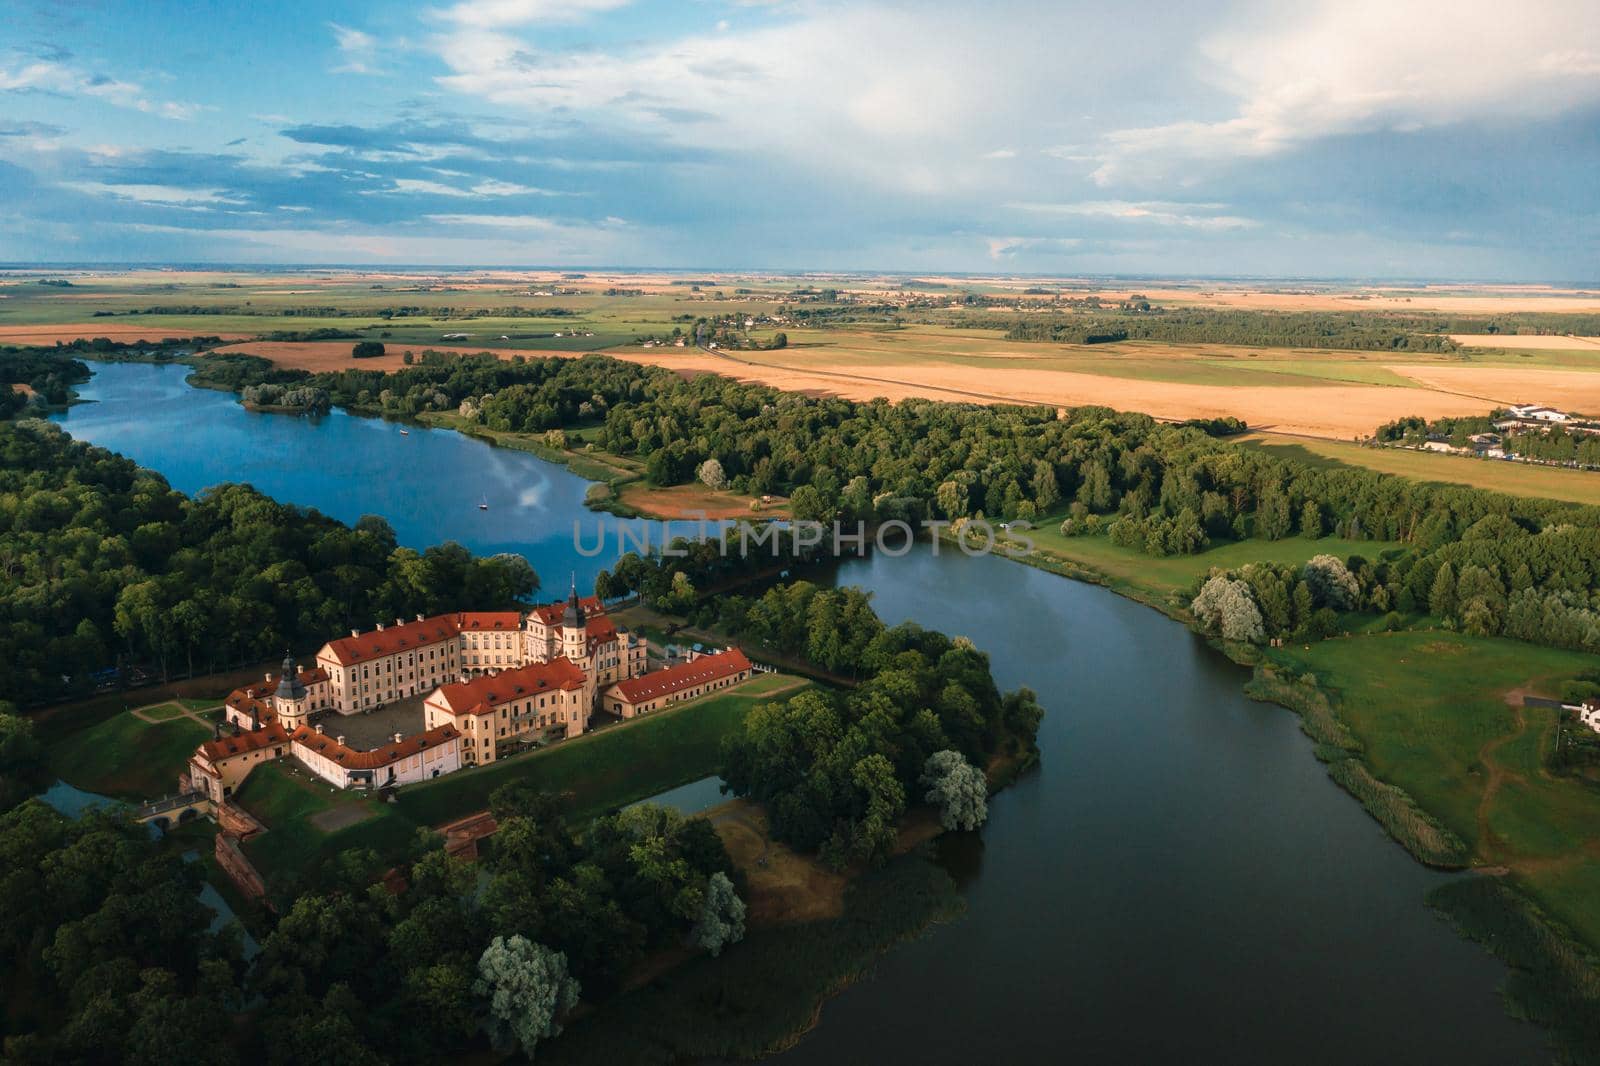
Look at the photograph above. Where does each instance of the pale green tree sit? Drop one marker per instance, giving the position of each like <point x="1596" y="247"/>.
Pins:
<point x="721" y="920"/>
<point x="528" y="989"/>
<point x="957" y="788"/>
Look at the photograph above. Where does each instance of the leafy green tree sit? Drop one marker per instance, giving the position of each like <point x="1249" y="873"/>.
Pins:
<point x="721" y="918"/>
<point x="528" y="990"/>
<point x="957" y="788"/>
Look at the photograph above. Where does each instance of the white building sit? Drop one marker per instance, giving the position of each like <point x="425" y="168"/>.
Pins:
<point x="402" y="761"/>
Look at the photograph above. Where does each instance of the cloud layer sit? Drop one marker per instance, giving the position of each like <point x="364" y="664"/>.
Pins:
<point x="1354" y="137"/>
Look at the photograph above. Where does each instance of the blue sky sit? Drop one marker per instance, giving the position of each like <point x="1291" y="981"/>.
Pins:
<point x="1354" y="138"/>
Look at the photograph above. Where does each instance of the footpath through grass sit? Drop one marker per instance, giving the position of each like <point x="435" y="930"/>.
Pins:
<point x="1439" y="715"/>
<point x="611" y="767"/>
<point x="126" y="757"/>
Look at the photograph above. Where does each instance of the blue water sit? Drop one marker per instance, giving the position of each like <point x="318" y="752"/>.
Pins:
<point x="428" y="483"/>
<point x="1179" y="881"/>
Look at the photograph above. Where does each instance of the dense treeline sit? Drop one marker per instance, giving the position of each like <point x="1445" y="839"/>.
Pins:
<point x="836" y="770"/>
<point x="49" y="378"/>
<point x="1155" y="488"/>
<point x="1364" y="331"/>
<point x="102" y="563"/>
<point x="110" y="958"/>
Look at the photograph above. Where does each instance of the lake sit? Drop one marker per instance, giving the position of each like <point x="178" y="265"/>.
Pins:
<point x="1179" y="880"/>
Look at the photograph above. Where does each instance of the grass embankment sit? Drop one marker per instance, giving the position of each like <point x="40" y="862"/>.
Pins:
<point x="1439" y="715"/>
<point x="1496" y="475"/>
<point x="127" y="757"/>
<point x="293" y="803"/>
<point x="1164" y="582"/>
<point x="610" y="767"/>
<point x="764" y="994"/>
<point x="1554" y="981"/>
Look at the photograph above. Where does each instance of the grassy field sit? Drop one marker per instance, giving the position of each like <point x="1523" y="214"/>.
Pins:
<point x="1516" y="479"/>
<point x="292" y="802"/>
<point x="610" y="767"/>
<point x="1147" y="577"/>
<point x="1440" y="715"/>
<point x="125" y="757"/>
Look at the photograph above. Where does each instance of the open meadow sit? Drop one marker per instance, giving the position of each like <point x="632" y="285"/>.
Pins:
<point x="1440" y="715"/>
<point x="866" y="336"/>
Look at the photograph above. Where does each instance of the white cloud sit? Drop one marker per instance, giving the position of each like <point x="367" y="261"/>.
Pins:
<point x="53" y="77"/>
<point x="164" y="195"/>
<point x="500" y="14"/>
<point x="1203" y="216"/>
<point x="358" y="48"/>
<point x="1338" y="67"/>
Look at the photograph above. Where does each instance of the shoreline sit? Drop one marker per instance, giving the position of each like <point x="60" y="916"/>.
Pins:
<point x="1387" y="804"/>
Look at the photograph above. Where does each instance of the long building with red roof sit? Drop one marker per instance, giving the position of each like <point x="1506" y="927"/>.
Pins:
<point x="402" y="761"/>
<point x="368" y="670"/>
<point x="685" y="681"/>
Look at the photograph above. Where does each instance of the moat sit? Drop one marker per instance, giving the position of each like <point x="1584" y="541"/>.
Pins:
<point x="1179" y="880"/>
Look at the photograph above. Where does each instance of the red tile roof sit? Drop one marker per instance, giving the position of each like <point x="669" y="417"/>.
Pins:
<point x="225" y="748"/>
<point x="379" y="757"/>
<point x="348" y="651"/>
<point x="684" y="675"/>
<point x="483" y="693"/>
<point x="489" y="620"/>
<point x="550" y="613"/>
<point x="260" y="690"/>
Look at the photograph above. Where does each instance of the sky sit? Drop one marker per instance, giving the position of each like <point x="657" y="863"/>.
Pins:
<point x="1323" y="138"/>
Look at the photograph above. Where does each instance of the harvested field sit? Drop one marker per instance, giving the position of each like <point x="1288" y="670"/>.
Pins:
<point x="36" y="335"/>
<point x="1570" y="390"/>
<point x="1527" y="342"/>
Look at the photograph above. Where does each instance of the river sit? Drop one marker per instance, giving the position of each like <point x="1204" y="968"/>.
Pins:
<point x="1179" y="881"/>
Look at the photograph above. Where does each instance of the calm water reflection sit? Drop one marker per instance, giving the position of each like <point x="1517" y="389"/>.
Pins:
<point x="1180" y="881"/>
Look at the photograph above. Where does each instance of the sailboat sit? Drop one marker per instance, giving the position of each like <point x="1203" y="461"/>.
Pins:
<point x="484" y="506"/>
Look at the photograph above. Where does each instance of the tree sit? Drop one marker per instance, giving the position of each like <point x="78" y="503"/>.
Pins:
<point x="367" y="350"/>
<point x="1225" y="606"/>
<point x="1332" y="583"/>
<point x="1442" y="595"/>
<point x="528" y="989"/>
<point x="957" y="788"/>
<point x="721" y="920"/>
<point x="710" y="473"/>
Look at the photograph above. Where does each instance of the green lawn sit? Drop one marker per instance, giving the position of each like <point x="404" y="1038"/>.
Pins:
<point x="1134" y="572"/>
<point x="288" y="801"/>
<point x="125" y="757"/>
<point x="1431" y="711"/>
<point x="608" y="768"/>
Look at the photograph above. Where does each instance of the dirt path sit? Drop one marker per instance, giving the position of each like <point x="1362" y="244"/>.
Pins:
<point x="185" y="712"/>
<point x="1497" y="774"/>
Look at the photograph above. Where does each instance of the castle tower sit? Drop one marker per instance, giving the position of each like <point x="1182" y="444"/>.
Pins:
<point x="574" y="628"/>
<point x="291" y="701"/>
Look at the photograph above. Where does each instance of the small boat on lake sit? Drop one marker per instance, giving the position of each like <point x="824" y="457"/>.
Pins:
<point x="405" y="433"/>
<point x="484" y="506"/>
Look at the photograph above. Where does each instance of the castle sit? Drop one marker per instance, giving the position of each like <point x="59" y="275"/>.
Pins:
<point x="489" y="681"/>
